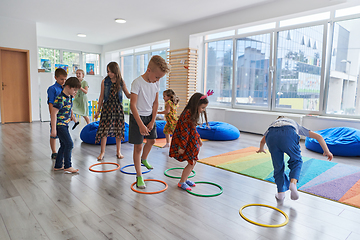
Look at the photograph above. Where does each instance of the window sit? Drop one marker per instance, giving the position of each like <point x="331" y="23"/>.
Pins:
<point x="52" y="55"/>
<point x="163" y="80"/>
<point x="219" y="70"/>
<point x="298" y="68"/>
<point x="252" y="70"/>
<point x="343" y="88"/>
<point x="127" y="66"/>
<point x="71" y="59"/>
<point x="92" y="63"/>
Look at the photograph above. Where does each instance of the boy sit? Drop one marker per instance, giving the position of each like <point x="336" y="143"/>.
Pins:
<point x="53" y="91"/>
<point x="143" y="105"/>
<point x="283" y="137"/>
<point x="61" y="115"/>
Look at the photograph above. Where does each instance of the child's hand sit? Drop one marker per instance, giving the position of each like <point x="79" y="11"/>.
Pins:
<point x="261" y="150"/>
<point x="53" y="133"/>
<point x="181" y="151"/>
<point x="329" y="155"/>
<point x="144" y="130"/>
<point x="96" y="115"/>
<point x="150" y="126"/>
<point x="200" y="143"/>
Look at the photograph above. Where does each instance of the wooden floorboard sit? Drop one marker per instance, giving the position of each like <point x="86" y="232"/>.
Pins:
<point x="38" y="203"/>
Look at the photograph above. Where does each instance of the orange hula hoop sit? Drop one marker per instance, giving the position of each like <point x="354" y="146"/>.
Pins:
<point x="155" y="180"/>
<point x="102" y="171"/>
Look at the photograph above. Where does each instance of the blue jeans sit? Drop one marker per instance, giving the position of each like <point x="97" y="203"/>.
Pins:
<point x="66" y="146"/>
<point x="282" y="140"/>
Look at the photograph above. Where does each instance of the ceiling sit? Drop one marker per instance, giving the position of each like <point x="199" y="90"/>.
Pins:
<point x="66" y="18"/>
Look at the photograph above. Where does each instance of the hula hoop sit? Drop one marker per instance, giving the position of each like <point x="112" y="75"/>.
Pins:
<point x="132" y="173"/>
<point x="265" y="225"/>
<point x="154" y="180"/>
<point x="193" y="175"/>
<point x="118" y="166"/>
<point x="208" y="195"/>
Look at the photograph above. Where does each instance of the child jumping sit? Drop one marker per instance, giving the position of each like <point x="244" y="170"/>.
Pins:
<point x="143" y="105"/>
<point x="171" y="104"/>
<point x="186" y="142"/>
<point x="112" y="121"/>
<point x="61" y="115"/>
<point x="283" y="137"/>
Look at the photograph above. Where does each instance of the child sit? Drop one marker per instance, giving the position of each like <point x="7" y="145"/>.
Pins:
<point x="283" y="137"/>
<point x="143" y="106"/>
<point x="186" y="142"/>
<point x="112" y="115"/>
<point x="53" y="91"/>
<point x="81" y="105"/>
<point x="61" y="115"/>
<point x="171" y="103"/>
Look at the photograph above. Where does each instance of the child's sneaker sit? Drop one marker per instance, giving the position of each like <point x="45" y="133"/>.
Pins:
<point x="146" y="164"/>
<point x="184" y="186"/>
<point x="140" y="182"/>
<point x="190" y="183"/>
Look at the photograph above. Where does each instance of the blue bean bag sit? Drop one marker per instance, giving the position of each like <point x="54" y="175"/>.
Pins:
<point x="341" y="141"/>
<point x="218" y="131"/>
<point x="160" y="124"/>
<point x="88" y="134"/>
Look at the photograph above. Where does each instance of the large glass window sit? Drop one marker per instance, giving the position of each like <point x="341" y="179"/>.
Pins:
<point x="127" y="66"/>
<point x="48" y="58"/>
<point x="219" y="70"/>
<point x="163" y="80"/>
<point x="298" y="68"/>
<point x="72" y="59"/>
<point x="252" y="70"/>
<point x="141" y="62"/>
<point x="343" y="88"/>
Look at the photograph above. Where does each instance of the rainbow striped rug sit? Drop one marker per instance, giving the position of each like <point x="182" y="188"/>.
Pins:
<point x="335" y="181"/>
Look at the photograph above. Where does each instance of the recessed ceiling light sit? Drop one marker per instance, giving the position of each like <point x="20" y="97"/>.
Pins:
<point x="81" y="35"/>
<point x="120" y="20"/>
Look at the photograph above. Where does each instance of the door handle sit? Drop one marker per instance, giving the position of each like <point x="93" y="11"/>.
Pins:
<point x="3" y="85"/>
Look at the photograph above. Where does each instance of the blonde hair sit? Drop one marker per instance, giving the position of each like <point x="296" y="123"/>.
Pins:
<point x="157" y="61"/>
<point x="80" y="70"/>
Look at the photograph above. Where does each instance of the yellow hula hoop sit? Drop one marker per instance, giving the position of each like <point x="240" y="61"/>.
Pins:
<point x="260" y="224"/>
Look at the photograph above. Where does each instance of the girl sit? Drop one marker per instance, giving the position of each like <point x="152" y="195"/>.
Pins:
<point x="186" y="142"/>
<point x="283" y="137"/>
<point x="81" y="106"/>
<point x="112" y="115"/>
<point x="171" y="104"/>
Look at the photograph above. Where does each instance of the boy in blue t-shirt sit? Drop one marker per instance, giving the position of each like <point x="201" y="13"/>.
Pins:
<point x="53" y="91"/>
<point x="61" y="115"/>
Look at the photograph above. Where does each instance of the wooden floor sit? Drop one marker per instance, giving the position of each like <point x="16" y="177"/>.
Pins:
<point x="38" y="203"/>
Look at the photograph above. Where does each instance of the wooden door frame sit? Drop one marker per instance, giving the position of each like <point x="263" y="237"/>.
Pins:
<point x="28" y="80"/>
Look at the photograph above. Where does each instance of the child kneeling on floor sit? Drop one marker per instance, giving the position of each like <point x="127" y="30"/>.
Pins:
<point x="283" y="137"/>
<point x="61" y="115"/>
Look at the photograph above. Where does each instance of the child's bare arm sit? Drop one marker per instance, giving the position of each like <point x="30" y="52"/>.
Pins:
<point x="142" y="128"/>
<point x="101" y="99"/>
<point x="154" y="111"/>
<point x="167" y="109"/>
<point x="53" y="116"/>
<point x="262" y="144"/>
<point x="322" y="143"/>
<point x="125" y="90"/>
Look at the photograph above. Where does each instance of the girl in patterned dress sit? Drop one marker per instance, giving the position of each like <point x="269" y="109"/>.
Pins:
<point x="186" y="142"/>
<point x="112" y="114"/>
<point x="171" y="104"/>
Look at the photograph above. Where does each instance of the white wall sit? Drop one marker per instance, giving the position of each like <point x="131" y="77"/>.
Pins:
<point x="15" y="33"/>
<point x="68" y="45"/>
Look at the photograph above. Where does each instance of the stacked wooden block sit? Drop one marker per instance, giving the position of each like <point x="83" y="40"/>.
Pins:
<point x="183" y="76"/>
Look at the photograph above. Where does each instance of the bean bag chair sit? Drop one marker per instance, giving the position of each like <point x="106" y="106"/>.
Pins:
<point x="160" y="124"/>
<point x="88" y="134"/>
<point x="341" y="141"/>
<point x="218" y="131"/>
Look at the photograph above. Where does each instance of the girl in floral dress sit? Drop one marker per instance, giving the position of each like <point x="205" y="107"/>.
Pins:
<point x="171" y="104"/>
